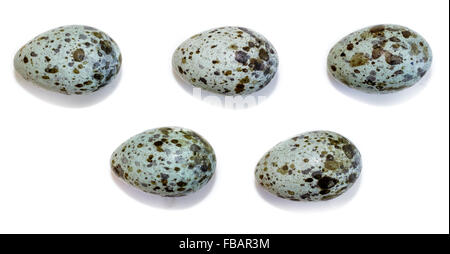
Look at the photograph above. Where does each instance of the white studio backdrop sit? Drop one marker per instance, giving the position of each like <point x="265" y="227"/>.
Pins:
<point x="55" y="149"/>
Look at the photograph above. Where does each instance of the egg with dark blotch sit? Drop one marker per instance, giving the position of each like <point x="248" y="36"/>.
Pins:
<point x="70" y="60"/>
<point x="169" y="161"/>
<point x="380" y="59"/>
<point x="318" y="165"/>
<point x="227" y="60"/>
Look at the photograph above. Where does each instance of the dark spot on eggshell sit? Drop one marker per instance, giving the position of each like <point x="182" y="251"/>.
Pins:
<point x="394" y="39"/>
<point x="98" y="35"/>
<point x="327" y="182"/>
<point x="421" y="72"/>
<point x="349" y="150"/>
<point x="181" y="184"/>
<point x="377" y="29"/>
<point x="263" y="55"/>
<point x="241" y="57"/>
<point x="316" y="174"/>
<point x="414" y="49"/>
<point x="392" y="59"/>
<point x="195" y="148"/>
<point x="406" y="34"/>
<point x="117" y="169"/>
<point x="377" y="52"/>
<point x="352" y="178"/>
<point x="78" y="55"/>
<point x="358" y="59"/>
<point x="256" y="64"/>
<point x="52" y="70"/>
<point x="106" y="46"/>
<point x="239" y="88"/>
<point x="98" y="76"/>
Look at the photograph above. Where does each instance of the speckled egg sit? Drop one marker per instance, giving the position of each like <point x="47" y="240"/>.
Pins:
<point x="380" y="59"/>
<point x="318" y="165"/>
<point x="70" y="60"/>
<point x="227" y="60"/>
<point x="168" y="161"/>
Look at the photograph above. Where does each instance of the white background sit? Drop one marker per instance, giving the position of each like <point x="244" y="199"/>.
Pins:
<point x="55" y="149"/>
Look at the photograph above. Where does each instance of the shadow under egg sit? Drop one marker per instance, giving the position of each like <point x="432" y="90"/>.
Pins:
<point x="68" y="101"/>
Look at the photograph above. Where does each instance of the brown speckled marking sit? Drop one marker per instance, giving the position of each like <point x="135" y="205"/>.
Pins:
<point x="358" y="59"/>
<point x="241" y="57"/>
